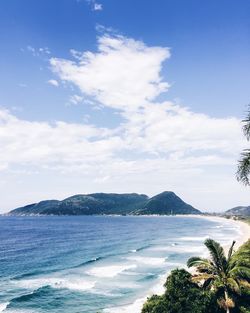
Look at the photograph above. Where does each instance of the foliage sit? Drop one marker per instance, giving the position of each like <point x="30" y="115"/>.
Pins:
<point x="221" y="283"/>
<point x="243" y="172"/>
<point x="228" y="276"/>
<point x="182" y="295"/>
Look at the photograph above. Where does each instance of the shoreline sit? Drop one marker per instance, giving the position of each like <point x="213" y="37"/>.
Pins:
<point x="136" y="306"/>
<point x="243" y="227"/>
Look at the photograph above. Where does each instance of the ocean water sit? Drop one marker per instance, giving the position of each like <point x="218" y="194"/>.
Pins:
<point x="89" y="264"/>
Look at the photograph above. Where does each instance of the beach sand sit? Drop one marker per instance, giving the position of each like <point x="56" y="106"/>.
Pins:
<point x="244" y="228"/>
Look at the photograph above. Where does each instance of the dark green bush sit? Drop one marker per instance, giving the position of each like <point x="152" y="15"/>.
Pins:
<point x="181" y="296"/>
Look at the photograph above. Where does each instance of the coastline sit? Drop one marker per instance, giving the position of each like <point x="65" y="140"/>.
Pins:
<point x="136" y="306"/>
<point x="243" y="227"/>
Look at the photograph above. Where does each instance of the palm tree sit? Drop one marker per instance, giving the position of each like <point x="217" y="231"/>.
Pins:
<point x="224" y="275"/>
<point x="243" y="172"/>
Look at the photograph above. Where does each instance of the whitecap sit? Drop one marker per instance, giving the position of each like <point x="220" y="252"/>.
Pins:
<point x="147" y="260"/>
<point x="189" y="238"/>
<point x="76" y="284"/>
<point x="20" y="311"/>
<point x="179" y="249"/>
<point x="3" y="306"/>
<point x="133" y="307"/>
<point x="59" y="283"/>
<point x="109" y="271"/>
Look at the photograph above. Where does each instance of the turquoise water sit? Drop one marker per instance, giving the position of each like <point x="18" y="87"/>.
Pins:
<point x="95" y="264"/>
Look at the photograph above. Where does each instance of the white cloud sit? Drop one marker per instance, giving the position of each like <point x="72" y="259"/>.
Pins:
<point x="53" y="82"/>
<point x="44" y="50"/>
<point x="36" y="52"/>
<point x="166" y="135"/>
<point x="97" y="7"/>
<point x="166" y="147"/>
<point x="157" y="146"/>
<point x="75" y="99"/>
<point x="123" y="74"/>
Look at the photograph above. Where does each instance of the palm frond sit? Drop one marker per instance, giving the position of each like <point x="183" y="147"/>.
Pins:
<point x="244" y="283"/>
<point x="230" y="252"/>
<point x="233" y="285"/>
<point x="217" y="254"/>
<point x="246" y="126"/>
<point x="241" y="272"/>
<point x="208" y="283"/>
<point x="243" y="171"/>
<point x="197" y="261"/>
<point x="202" y="277"/>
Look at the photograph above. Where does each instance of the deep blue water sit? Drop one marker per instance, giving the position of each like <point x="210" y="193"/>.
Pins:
<point x="95" y="264"/>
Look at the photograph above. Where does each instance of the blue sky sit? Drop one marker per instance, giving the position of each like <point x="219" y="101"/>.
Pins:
<point x="161" y="97"/>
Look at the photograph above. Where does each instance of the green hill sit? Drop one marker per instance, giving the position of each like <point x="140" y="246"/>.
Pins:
<point x="239" y="211"/>
<point x="110" y="203"/>
<point x="166" y="203"/>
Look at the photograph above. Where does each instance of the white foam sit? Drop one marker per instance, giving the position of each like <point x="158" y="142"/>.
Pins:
<point x="20" y="311"/>
<point x="76" y="284"/>
<point x="137" y="305"/>
<point x="73" y="284"/>
<point x="110" y="271"/>
<point x="202" y="238"/>
<point x="147" y="260"/>
<point x="130" y="308"/>
<point x="3" y="306"/>
<point x="178" y="248"/>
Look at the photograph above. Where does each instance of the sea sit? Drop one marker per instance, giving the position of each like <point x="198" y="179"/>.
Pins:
<point x="90" y="264"/>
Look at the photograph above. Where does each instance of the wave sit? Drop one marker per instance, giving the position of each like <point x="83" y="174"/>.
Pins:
<point x="77" y="284"/>
<point x="179" y="249"/>
<point x="197" y="238"/>
<point x="29" y="274"/>
<point x="137" y="305"/>
<point x="110" y="270"/>
<point x="133" y="307"/>
<point x="39" y="272"/>
<point x="20" y="311"/>
<point x="143" y="248"/>
<point x="148" y="277"/>
<point x="3" y="306"/>
<point x="58" y="283"/>
<point x="140" y="249"/>
<point x="147" y="260"/>
<point x="28" y="296"/>
<point x="89" y="262"/>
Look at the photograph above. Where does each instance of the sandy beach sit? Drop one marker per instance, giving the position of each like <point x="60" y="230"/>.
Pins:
<point x="244" y="227"/>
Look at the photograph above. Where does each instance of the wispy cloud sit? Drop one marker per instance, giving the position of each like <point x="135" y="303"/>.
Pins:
<point x="95" y="6"/>
<point x="53" y="82"/>
<point x="75" y="99"/>
<point x="37" y="51"/>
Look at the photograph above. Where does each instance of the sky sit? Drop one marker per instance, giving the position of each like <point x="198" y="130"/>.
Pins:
<point x="123" y="96"/>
